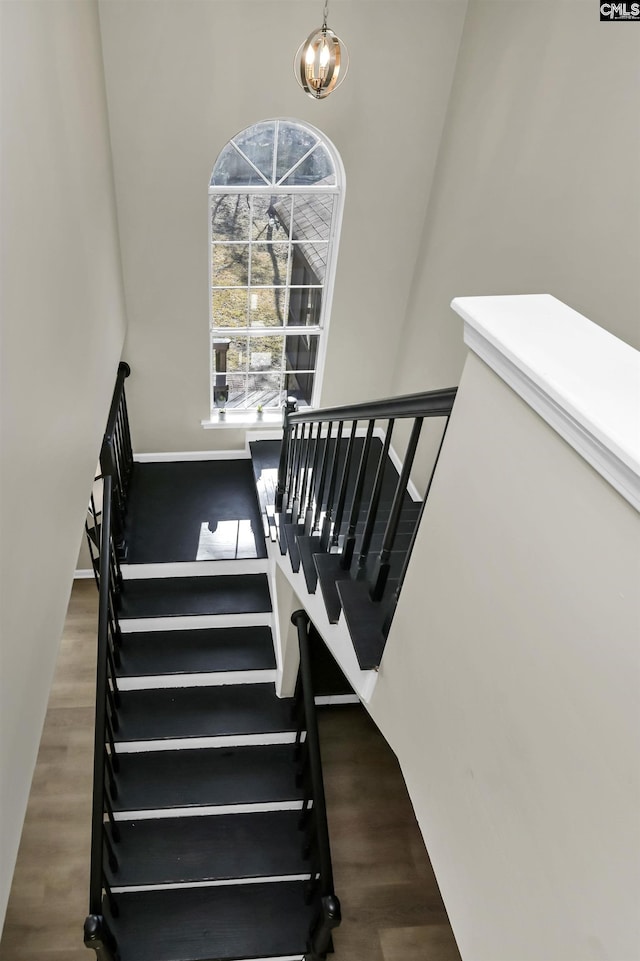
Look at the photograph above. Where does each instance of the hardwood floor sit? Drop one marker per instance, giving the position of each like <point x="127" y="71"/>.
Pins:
<point x="391" y="906"/>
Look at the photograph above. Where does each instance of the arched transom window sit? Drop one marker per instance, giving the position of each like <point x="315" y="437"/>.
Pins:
<point x="275" y="206"/>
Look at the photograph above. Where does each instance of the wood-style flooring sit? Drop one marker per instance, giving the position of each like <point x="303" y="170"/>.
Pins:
<point x="391" y="906"/>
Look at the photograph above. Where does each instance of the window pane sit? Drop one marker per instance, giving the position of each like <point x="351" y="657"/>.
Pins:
<point x="265" y="353"/>
<point x="229" y="308"/>
<point x="269" y="264"/>
<point x="308" y="264"/>
<point x="237" y="384"/>
<point x="271" y="218"/>
<point x="257" y="144"/>
<point x="229" y="355"/>
<point x="304" y="307"/>
<point x="317" y="168"/>
<point x="230" y="265"/>
<point x="263" y="389"/>
<point x="299" y="386"/>
<point x="312" y="216"/>
<point x="293" y="143"/>
<point x="301" y="351"/>
<point x="232" y="168"/>
<point x="268" y="307"/>
<point x="230" y="217"/>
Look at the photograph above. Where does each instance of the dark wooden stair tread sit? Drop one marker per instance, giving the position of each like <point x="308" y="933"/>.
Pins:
<point x="224" y="923"/>
<point x="149" y="653"/>
<point x="209" y="848"/>
<point x="330" y="574"/>
<point x="185" y="712"/>
<point x="158" y="780"/>
<point x="365" y="620"/>
<point x="175" y="596"/>
<point x="170" y="502"/>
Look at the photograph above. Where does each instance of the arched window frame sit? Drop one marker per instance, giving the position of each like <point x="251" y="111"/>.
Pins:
<point x="336" y="190"/>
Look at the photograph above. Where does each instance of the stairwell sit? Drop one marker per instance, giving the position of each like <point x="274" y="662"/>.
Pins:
<point x="210" y="838"/>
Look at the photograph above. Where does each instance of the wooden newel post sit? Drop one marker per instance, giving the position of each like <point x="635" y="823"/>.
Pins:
<point x="290" y="407"/>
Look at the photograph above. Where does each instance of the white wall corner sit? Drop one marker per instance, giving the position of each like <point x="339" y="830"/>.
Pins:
<point x="583" y="381"/>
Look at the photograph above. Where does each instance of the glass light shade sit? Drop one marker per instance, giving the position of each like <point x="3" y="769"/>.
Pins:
<point x="321" y="63"/>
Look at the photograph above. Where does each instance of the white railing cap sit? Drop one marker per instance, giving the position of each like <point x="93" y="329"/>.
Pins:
<point x="581" y="379"/>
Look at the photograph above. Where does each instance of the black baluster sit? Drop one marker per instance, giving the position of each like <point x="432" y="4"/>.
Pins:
<point x="127" y="434"/>
<point x="285" y="452"/>
<point x="323" y="476"/>
<point x="344" y="484"/>
<point x="111" y="778"/>
<point x="116" y="639"/>
<point x="383" y="564"/>
<point x="306" y="481"/>
<point x="111" y="854"/>
<point x="326" y="526"/>
<point x="295" y="464"/>
<point x="350" y="538"/>
<point x="115" y="830"/>
<point x="110" y="898"/>
<point x="308" y="513"/>
<point x="112" y="670"/>
<point x="110" y="739"/>
<point x="374" y="503"/>
<point x="301" y="475"/>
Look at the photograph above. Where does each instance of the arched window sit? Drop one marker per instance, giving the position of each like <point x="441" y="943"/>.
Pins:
<point x="275" y="207"/>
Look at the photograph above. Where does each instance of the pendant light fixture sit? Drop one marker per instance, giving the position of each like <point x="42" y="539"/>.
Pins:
<point x="321" y="61"/>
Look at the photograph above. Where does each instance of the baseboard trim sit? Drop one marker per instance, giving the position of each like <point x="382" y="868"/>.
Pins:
<point x="82" y="573"/>
<point x="173" y="456"/>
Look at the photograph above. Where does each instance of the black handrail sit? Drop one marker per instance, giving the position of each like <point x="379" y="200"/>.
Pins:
<point x="328" y="916"/>
<point x="97" y="819"/>
<point x="97" y="934"/>
<point x="116" y="455"/>
<point x="105" y="536"/>
<point x="434" y="403"/>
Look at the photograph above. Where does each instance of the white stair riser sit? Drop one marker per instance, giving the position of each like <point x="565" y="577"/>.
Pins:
<point x="257" y="807"/>
<point x="218" y="679"/>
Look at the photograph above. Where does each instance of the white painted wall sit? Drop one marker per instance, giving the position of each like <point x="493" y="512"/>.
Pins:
<point x="182" y="77"/>
<point x="509" y="689"/>
<point x="535" y="187"/>
<point x="62" y="331"/>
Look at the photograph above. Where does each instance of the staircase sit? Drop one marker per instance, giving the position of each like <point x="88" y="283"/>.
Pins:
<point x="209" y="835"/>
<point x="209" y="830"/>
<point x="210" y="858"/>
<point x="337" y="506"/>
